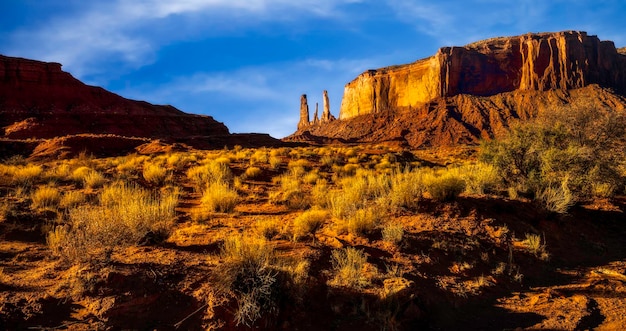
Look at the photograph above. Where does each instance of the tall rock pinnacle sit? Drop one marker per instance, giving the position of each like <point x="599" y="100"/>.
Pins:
<point x="315" y="117"/>
<point x="304" y="113"/>
<point x="326" y="115"/>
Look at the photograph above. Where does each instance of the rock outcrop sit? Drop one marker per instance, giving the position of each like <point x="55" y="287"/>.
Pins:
<point x="326" y="115"/>
<point x="304" y="113"/>
<point x="38" y="100"/>
<point x="462" y="94"/>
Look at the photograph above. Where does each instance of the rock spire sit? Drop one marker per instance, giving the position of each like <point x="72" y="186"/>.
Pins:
<point x="304" y="113"/>
<point x="326" y="115"/>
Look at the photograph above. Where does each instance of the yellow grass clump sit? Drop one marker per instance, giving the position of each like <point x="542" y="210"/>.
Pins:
<point x="308" y="223"/>
<point x="351" y="269"/>
<point x="46" y="197"/>
<point x="125" y="216"/>
<point x="155" y="174"/>
<point x="253" y="172"/>
<point x="218" y="197"/>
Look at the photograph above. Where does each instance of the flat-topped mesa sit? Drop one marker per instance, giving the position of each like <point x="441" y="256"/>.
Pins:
<point x="39" y="100"/>
<point x="538" y="62"/>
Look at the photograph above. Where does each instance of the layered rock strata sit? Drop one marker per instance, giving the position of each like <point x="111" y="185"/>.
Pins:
<point x="462" y="94"/>
<point x="39" y="101"/>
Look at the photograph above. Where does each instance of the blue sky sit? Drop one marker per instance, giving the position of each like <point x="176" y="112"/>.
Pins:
<point x="246" y="62"/>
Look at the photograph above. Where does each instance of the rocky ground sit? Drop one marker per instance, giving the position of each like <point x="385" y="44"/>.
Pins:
<point x="461" y="264"/>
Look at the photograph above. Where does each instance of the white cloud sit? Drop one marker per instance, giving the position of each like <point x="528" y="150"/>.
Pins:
<point x="123" y="31"/>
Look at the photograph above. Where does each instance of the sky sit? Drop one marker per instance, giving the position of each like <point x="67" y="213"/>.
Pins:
<point x="246" y="62"/>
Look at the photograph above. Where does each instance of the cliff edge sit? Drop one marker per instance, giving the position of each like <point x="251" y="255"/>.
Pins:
<point x="462" y="94"/>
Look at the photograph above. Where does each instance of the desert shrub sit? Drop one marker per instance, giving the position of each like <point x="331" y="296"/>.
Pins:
<point x="212" y="172"/>
<point x="72" y="199"/>
<point x="329" y="161"/>
<point x="24" y="175"/>
<point x="393" y="233"/>
<point x="268" y="227"/>
<point x="479" y="178"/>
<point x="275" y="162"/>
<point x="319" y="193"/>
<point x="406" y="189"/>
<point x="155" y="174"/>
<point x="535" y="245"/>
<point x="253" y="172"/>
<point x="443" y="186"/>
<point x="45" y="197"/>
<point x="308" y="223"/>
<point x="248" y="273"/>
<point x="557" y="199"/>
<point x="218" y="197"/>
<point x="350" y="268"/>
<point x="311" y="177"/>
<point x="259" y="157"/>
<point x="362" y="221"/>
<point x="88" y="177"/>
<point x="581" y="144"/>
<point x="94" y="232"/>
<point x="291" y="192"/>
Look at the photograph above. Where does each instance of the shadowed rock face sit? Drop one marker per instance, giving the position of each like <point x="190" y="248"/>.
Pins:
<point x="462" y="94"/>
<point x="39" y="100"/>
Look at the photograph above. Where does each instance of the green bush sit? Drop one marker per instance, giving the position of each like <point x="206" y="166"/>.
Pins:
<point x="580" y="145"/>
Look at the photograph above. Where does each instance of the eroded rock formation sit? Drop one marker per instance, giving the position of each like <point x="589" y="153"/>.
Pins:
<point x="38" y="100"/>
<point x="304" y="113"/>
<point x="540" y="62"/>
<point x="464" y="93"/>
<point x="326" y="115"/>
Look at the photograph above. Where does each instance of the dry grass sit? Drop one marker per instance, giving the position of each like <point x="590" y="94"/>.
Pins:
<point x="46" y="197"/>
<point x="309" y="222"/>
<point x="350" y="269"/>
<point x="253" y="172"/>
<point x="393" y="233"/>
<point x="268" y="227"/>
<point x="249" y="274"/>
<point x="88" y="177"/>
<point x="218" y="197"/>
<point x="362" y="221"/>
<point x="155" y="174"/>
<point x="443" y="185"/>
<point x="557" y="199"/>
<point x="24" y="174"/>
<point x="210" y="173"/>
<point x="275" y="162"/>
<point x="125" y="216"/>
<point x="72" y="198"/>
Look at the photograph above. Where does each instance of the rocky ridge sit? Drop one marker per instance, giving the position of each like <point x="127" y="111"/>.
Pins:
<point x="462" y="94"/>
<point x="38" y="100"/>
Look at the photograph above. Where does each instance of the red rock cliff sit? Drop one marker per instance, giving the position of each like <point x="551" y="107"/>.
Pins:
<point x="531" y="62"/>
<point x="39" y="100"/>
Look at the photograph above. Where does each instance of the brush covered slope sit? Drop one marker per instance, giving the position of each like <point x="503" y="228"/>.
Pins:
<point x="462" y="94"/>
<point x="38" y="100"/>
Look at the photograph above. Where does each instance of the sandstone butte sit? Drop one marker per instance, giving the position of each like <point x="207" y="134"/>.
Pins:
<point x="40" y="102"/>
<point x="463" y="94"/>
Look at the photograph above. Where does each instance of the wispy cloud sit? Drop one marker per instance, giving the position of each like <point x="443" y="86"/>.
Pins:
<point x="121" y="32"/>
<point x="453" y="22"/>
